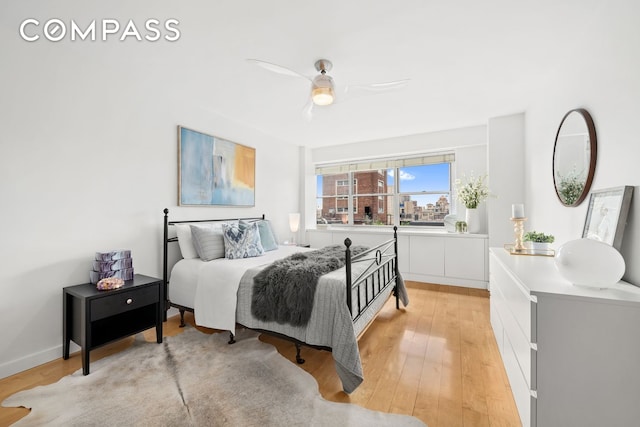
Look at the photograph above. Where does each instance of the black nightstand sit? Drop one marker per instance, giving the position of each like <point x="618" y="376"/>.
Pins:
<point x="92" y="318"/>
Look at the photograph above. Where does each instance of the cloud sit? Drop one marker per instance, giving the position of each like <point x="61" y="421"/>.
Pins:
<point x="406" y="176"/>
<point x="403" y="175"/>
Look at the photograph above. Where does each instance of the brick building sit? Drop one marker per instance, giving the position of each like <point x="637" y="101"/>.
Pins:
<point x="370" y="204"/>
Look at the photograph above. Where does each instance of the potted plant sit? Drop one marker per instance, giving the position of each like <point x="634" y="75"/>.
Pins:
<point x="538" y="240"/>
<point x="471" y="192"/>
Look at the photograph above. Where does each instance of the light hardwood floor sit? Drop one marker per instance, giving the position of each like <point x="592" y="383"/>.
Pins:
<point x="437" y="360"/>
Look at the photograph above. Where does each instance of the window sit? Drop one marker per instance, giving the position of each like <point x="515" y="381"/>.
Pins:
<point x="407" y="192"/>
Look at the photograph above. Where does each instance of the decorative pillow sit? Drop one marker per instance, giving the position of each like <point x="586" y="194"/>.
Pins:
<point x="208" y="242"/>
<point x="242" y="243"/>
<point x="275" y="236"/>
<point x="267" y="237"/>
<point x="185" y="241"/>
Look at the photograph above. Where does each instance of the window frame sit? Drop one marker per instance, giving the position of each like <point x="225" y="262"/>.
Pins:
<point x="393" y="192"/>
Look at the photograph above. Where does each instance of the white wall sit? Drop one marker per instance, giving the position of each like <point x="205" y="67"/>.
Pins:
<point x="468" y="143"/>
<point x="89" y="160"/>
<point x="505" y="148"/>
<point x="601" y="75"/>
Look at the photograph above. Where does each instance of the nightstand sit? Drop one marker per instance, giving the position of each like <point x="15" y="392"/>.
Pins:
<point x="92" y="318"/>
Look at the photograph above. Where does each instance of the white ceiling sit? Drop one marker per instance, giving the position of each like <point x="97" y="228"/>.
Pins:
<point x="468" y="60"/>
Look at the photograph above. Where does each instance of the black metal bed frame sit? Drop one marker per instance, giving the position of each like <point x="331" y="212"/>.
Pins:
<point x="372" y="281"/>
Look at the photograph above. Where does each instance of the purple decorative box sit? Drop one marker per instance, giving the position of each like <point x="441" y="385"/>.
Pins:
<point x="113" y="255"/>
<point x="119" y="264"/>
<point x="125" y="274"/>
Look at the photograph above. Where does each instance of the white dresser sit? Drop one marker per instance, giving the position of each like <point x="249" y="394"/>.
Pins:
<point x="572" y="354"/>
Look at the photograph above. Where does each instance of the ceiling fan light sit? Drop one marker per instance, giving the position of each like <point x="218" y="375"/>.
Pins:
<point x="322" y="92"/>
<point x="322" y="96"/>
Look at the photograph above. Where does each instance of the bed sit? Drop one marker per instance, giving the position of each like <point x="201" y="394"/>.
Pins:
<point x="223" y="293"/>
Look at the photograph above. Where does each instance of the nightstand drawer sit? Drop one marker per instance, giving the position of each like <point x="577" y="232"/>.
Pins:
<point x="123" y="301"/>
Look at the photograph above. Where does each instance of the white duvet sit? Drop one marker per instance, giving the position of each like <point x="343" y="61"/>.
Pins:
<point x="195" y="284"/>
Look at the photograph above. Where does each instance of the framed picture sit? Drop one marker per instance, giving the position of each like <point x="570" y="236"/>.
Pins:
<point x="607" y="215"/>
<point x="214" y="171"/>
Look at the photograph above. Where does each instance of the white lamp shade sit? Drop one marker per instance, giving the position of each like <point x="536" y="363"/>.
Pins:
<point x="294" y="222"/>
<point x="588" y="262"/>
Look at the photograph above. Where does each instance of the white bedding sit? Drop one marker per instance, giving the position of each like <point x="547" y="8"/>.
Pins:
<point x="195" y="284"/>
<point x="214" y="290"/>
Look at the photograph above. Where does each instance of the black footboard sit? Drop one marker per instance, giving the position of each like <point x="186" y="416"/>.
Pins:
<point x="379" y="274"/>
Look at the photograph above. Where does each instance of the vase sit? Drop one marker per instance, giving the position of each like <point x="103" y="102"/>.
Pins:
<point x="473" y="220"/>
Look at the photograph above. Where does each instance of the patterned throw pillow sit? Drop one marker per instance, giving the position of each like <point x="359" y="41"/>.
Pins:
<point x="241" y="243"/>
<point x="208" y="242"/>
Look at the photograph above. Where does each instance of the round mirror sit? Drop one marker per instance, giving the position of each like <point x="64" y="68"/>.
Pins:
<point x="574" y="157"/>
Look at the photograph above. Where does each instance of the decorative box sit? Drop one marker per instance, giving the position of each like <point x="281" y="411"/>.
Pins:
<point x="116" y="263"/>
<point x="125" y="274"/>
<point x="113" y="255"/>
<point x="119" y="264"/>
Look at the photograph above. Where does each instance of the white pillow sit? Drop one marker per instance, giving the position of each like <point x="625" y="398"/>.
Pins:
<point x="208" y="242"/>
<point x="185" y="241"/>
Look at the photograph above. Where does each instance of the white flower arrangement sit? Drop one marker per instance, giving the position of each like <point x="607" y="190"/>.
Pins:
<point x="472" y="191"/>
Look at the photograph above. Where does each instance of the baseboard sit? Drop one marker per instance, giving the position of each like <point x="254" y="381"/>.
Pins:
<point x="36" y="359"/>
<point x="32" y="360"/>
<point x="449" y="281"/>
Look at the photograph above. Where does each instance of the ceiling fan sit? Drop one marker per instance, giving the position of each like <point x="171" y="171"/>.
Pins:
<point x="323" y="90"/>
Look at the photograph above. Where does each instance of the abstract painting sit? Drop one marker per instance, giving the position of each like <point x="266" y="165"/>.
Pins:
<point x="214" y="171"/>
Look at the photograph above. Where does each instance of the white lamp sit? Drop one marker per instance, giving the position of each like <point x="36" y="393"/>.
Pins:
<point x="294" y="224"/>
<point x="588" y="262"/>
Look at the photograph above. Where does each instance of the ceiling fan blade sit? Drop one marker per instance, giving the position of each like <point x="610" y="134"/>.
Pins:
<point x="378" y="87"/>
<point x="307" y="111"/>
<point x="277" y="68"/>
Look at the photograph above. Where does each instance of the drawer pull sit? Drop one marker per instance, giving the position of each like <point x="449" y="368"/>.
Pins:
<point x="129" y="301"/>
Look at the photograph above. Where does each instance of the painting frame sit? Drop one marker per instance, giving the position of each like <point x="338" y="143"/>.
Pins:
<point x="213" y="171"/>
<point x="607" y="215"/>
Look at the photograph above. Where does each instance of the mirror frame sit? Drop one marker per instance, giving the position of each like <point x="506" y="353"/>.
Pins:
<point x="591" y="129"/>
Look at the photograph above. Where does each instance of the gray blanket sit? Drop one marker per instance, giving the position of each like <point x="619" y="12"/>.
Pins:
<point x="284" y="291"/>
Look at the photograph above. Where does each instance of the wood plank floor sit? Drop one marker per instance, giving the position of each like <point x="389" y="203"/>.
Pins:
<point x="437" y="360"/>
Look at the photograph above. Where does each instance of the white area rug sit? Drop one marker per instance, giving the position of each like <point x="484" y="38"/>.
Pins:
<point x="193" y="379"/>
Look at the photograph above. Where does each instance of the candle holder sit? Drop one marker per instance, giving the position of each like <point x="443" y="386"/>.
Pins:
<point x="518" y="230"/>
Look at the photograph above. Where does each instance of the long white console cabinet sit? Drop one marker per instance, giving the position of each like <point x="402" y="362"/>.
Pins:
<point x="430" y="257"/>
<point x="572" y="354"/>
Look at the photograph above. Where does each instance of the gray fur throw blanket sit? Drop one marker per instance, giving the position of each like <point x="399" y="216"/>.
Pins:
<point x="284" y="290"/>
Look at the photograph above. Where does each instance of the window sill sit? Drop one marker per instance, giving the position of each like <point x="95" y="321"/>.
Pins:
<point x="402" y="231"/>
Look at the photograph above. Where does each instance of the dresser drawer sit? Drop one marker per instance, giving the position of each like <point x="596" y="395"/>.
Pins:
<point x="120" y="302"/>
<point x="525" y="401"/>
<point x="519" y="344"/>
<point x="518" y="301"/>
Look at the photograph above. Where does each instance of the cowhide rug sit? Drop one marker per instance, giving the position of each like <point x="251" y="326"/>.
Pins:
<point x="193" y="379"/>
